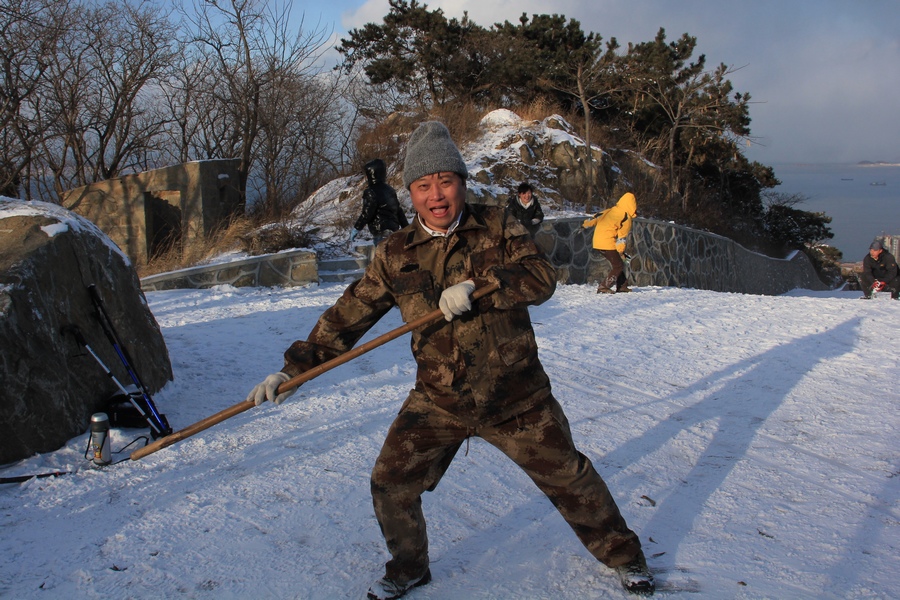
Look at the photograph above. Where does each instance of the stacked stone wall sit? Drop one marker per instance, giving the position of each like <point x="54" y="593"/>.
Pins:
<point x="665" y="254"/>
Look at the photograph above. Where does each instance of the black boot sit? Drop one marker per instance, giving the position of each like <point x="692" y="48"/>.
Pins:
<point x="636" y="578"/>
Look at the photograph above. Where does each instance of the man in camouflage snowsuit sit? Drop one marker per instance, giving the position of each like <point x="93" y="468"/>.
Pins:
<point x="478" y="369"/>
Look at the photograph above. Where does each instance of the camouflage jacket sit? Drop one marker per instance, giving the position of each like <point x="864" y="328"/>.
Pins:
<point x="482" y="364"/>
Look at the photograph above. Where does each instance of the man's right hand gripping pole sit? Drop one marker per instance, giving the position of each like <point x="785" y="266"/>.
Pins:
<point x="455" y="299"/>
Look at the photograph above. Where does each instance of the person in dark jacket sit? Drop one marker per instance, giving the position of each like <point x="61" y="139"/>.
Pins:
<point x="478" y="368"/>
<point x="879" y="272"/>
<point x="381" y="210"/>
<point x="526" y="208"/>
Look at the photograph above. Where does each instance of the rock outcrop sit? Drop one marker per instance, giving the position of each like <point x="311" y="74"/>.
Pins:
<point x="548" y="154"/>
<point x="50" y="384"/>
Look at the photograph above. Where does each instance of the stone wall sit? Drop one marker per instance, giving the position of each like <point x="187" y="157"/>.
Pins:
<point x="144" y="212"/>
<point x="663" y="254"/>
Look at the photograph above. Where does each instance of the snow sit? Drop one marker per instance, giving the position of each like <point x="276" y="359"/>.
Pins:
<point x="502" y="135"/>
<point x="501" y="117"/>
<point x="65" y="220"/>
<point x="749" y="440"/>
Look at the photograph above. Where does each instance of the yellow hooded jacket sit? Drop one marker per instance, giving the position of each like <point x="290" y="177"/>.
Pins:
<point x="612" y="225"/>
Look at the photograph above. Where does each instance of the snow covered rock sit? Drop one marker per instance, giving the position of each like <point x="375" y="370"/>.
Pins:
<point x="51" y="385"/>
<point x="548" y="154"/>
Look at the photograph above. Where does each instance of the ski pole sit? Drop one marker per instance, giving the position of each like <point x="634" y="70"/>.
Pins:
<point x="76" y="333"/>
<point x="300" y="379"/>
<point x="162" y="427"/>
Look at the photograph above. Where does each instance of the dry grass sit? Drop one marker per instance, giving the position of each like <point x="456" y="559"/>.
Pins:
<point x="387" y="139"/>
<point x="461" y="119"/>
<point x="539" y="109"/>
<point x="178" y="255"/>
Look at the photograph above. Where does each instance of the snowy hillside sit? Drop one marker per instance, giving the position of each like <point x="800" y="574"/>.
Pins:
<point x="750" y="441"/>
<point x="336" y="205"/>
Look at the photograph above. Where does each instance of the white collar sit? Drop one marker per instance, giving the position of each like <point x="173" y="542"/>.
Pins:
<point x="435" y="233"/>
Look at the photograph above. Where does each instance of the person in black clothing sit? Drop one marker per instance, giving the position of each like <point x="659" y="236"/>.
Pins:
<point x="381" y="210"/>
<point x="526" y="208"/>
<point x="879" y="272"/>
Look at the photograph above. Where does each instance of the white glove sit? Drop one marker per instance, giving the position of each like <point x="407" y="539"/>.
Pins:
<point x="455" y="299"/>
<point x="266" y="390"/>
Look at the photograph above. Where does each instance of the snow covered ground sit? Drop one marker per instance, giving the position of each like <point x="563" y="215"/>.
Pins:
<point x="751" y="442"/>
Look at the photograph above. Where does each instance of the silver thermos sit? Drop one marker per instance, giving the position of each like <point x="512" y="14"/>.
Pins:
<point x="100" y="439"/>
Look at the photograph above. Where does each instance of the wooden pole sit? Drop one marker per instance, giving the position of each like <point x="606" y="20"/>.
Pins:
<point x="293" y="382"/>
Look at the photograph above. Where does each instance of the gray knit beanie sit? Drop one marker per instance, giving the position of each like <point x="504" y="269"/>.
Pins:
<point x="430" y="150"/>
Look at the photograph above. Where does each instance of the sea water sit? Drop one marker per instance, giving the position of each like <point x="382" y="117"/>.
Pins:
<point x="863" y="201"/>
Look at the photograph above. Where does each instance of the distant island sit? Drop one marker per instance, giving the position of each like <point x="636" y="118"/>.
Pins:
<point x="877" y="163"/>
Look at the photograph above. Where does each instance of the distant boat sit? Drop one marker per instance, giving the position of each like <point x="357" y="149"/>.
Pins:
<point x="878" y="183"/>
<point x="846" y="179"/>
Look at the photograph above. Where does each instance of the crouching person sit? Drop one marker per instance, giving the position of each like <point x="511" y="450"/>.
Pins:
<point x="880" y="272"/>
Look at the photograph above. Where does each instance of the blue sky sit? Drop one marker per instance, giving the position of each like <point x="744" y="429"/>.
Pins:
<point x="824" y="75"/>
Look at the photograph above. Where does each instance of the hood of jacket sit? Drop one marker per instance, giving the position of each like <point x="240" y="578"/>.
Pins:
<point x="628" y="203"/>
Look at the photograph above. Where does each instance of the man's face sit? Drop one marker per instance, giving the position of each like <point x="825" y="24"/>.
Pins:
<point x="438" y="199"/>
<point x="875" y="253"/>
<point x="525" y="197"/>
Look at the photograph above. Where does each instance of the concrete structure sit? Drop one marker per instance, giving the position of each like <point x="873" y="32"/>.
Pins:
<point x="663" y="254"/>
<point x="145" y="212"/>
<point x="290" y="268"/>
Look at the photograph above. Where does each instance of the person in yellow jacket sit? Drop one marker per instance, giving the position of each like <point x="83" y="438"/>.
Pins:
<point x="611" y="227"/>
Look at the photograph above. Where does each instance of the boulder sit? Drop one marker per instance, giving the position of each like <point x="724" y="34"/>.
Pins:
<point x="48" y="259"/>
<point x="549" y="154"/>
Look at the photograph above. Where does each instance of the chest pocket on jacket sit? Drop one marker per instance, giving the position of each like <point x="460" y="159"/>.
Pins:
<point x="415" y="294"/>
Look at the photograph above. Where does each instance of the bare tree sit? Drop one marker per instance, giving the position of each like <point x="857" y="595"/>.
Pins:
<point x="585" y="76"/>
<point x="252" y="64"/>
<point x="98" y="103"/>
<point x="184" y="97"/>
<point x="30" y="32"/>
<point x="299" y="147"/>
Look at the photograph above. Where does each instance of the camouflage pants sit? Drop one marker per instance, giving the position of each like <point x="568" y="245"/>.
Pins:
<point x="421" y="444"/>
